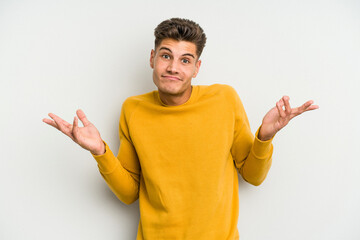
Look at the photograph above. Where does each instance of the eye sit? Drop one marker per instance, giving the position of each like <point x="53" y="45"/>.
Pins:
<point x="185" y="60"/>
<point x="166" y="56"/>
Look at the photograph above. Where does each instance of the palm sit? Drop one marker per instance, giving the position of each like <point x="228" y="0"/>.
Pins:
<point x="273" y="120"/>
<point x="88" y="137"/>
<point x="278" y="117"/>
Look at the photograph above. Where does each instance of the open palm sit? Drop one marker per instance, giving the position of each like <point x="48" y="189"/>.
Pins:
<point x="88" y="137"/>
<point x="280" y="115"/>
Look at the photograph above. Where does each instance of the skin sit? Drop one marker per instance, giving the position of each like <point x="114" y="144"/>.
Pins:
<point x="88" y="137"/>
<point x="174" y="64"/>
<point x="280" y="115"/>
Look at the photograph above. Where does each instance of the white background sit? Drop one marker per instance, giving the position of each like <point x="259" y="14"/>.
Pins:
<point x="58" y="56"/>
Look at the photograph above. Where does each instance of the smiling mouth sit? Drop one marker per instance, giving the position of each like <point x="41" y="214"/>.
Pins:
<point x="169" y="77"/>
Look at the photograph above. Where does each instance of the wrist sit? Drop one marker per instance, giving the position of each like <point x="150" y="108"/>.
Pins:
<point x="263" y="136"/>
<point x="100" y="151"/>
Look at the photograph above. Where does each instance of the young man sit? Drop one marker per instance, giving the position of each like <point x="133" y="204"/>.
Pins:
<point x="182" y="145"/>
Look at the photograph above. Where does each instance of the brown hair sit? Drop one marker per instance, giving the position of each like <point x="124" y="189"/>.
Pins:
<point x="181" y="30"/>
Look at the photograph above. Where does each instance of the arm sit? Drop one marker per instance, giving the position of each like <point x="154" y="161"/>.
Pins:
<point x="121" y="173"/>
<point x="121" y="180"/>
<point x="252" y="157"/>
<point x="255" y="166"/>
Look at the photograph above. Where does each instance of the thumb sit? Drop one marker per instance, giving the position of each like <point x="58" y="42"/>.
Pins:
<point x="75" y="130"/>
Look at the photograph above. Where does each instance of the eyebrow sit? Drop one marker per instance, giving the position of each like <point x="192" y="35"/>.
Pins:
<point x="185" y="54"/>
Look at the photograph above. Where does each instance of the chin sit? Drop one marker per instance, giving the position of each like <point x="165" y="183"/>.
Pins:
<point x="169" y="90"/>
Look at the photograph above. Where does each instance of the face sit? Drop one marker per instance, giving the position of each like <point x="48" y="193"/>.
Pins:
<point x="174" y="64"/>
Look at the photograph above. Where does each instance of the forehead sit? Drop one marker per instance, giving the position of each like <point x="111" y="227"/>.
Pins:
<point x="178" y="47"/>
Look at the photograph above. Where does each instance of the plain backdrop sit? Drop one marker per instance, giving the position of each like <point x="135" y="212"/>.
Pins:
<point x="58" y="56"/>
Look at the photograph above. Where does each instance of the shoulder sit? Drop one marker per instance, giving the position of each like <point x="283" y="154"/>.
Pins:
<point x="133" y="101"/>
<point x="219" y="90"/>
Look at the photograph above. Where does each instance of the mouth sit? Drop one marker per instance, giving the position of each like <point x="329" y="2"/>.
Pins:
<point x="170" y="77"/>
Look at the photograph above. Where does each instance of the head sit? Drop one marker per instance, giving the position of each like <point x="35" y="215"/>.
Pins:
<point x="181" y="30"/>
<point x="175" y="60"/>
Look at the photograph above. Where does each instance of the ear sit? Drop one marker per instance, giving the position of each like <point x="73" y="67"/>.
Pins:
<point x="152" y="56"/>
<point x="197" y="68"/>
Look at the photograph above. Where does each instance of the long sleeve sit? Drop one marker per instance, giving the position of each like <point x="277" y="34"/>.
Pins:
<point x="252" y="156"/>
<point x="121" y="173"/>
<point x="179" y="161"/>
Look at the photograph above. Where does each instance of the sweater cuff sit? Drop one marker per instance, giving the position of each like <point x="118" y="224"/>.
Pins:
<point x="261" y="149"/>
<point x="107" y="162"/>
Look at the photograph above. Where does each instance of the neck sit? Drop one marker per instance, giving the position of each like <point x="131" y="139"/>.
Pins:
<point x="175" y="100"/>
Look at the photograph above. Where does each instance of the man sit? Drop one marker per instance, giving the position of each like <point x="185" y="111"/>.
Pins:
<point x="182" y="145"/>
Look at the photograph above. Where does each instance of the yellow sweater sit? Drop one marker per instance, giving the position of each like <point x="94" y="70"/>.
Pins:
<point x="181" y="162"/>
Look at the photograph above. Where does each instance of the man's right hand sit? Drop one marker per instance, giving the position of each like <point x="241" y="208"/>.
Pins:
<point x="88" y="137"/>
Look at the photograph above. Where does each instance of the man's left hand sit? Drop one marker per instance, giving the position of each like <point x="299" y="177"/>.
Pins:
<point x="280" y="115"/>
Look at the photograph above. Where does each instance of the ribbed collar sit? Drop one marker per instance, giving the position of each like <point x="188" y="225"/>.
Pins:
<point x="193" y="96"/>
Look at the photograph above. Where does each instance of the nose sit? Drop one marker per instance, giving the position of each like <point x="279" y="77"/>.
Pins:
<point x="172" y="67"/>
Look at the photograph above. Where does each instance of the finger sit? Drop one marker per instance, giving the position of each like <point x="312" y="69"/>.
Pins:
<point x="279" y="106"/>
<point x="59" y="121"/>
<point x="62" y="125"/>
<point x="308" y="106"/>
<point x="313" y="107"/>
<point x="287" y="104"/>
<point x="51" y="123"/>
<point x="75" y="129"/>
<point x="82" y="117"/>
